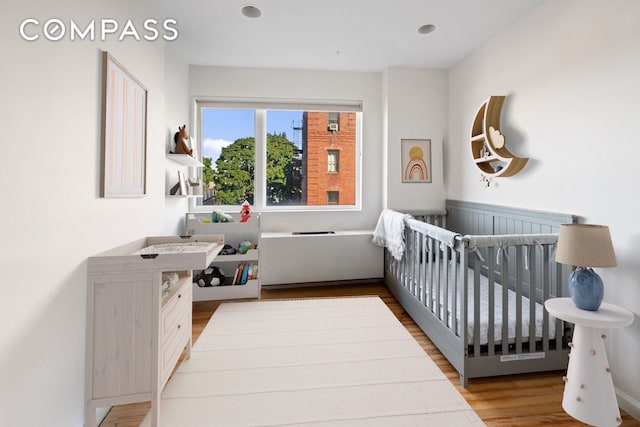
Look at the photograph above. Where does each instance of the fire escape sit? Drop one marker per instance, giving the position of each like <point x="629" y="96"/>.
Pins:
<point x="298" y="139"/>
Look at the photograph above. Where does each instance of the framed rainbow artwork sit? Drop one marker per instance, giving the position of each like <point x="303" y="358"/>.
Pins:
<point x="416" y="160"/>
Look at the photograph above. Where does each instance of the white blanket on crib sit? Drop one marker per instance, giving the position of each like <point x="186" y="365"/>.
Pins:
<point x="389" y="232"/>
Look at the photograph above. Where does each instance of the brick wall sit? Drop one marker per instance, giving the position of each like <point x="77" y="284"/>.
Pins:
<point x="319" y="140"/>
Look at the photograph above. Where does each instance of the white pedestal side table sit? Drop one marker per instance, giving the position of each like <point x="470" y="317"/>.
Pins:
<point x="589" y="395"/>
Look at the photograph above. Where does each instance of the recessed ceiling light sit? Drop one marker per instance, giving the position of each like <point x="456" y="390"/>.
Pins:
<point x="426" y="29"/>
<point x="251" y="12"/>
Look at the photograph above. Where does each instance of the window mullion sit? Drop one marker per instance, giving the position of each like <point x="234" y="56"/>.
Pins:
<point x="260" y="178"/>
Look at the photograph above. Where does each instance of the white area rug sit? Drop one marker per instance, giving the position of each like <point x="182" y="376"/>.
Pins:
<point x="317" y="362"/>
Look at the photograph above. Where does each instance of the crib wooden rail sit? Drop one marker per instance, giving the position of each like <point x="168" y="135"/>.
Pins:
<point x="480" y="298"/>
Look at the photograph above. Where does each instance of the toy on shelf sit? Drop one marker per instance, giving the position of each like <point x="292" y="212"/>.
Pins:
<point x="212" y="276"/>
<point x="228" y="250"/>
<point x="181" y="139"/>
<point x="219" y="216"/>
<point x="245" y="246"/>
<point x="245" y="212"/>
<point x="169" y="279"/>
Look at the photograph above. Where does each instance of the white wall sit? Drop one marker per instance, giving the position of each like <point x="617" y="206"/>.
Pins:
<point x="570" y="72"/>
<point x="52" y="217"/>
<point x="399" y="103"/>
<point x="416" y="108"/>
<point x="311" y="85"/>
<point x="177" y="107"/>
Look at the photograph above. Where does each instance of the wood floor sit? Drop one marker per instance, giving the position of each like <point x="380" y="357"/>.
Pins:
<point x="516" y="400"/>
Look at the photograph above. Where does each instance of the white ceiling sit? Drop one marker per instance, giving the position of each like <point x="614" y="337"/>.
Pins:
<point x="348" y="35"/>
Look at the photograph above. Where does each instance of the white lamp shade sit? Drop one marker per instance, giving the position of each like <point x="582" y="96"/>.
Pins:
<point x="585" y="245"/>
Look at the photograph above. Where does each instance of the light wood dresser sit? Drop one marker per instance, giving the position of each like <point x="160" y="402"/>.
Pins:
<point x="136" y="330"/>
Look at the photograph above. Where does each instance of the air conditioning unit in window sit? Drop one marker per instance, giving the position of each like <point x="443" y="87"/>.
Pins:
<point x="333" y="127"/>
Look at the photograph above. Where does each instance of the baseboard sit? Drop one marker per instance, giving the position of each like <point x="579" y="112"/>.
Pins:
<point x="101" y="414"/>
<point x="628" y="404"/>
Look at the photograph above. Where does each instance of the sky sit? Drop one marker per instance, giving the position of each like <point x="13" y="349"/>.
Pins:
<point x="222" y="127"/>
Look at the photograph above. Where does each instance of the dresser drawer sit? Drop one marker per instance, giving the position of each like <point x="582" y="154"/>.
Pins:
<point x="172" y="310"/>
<point x="173" y="346"/>
<point x="175" y="329"/>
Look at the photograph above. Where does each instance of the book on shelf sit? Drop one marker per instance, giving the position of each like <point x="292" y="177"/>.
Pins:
<point x="238" y="275"/>
<point x="245" y="274"/>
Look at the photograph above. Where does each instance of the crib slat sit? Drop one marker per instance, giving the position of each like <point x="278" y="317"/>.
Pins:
<point x="400" y="271"/>
<point x="491" y="290"/>
<point x="518" y="290"/>
<point x="505" y="303"/>
<point x="437" y="285"/>
<point x="559" y="292"/>
<point x="403" y="264"/>
<point x="442" y="287"/>
<point x="445" y="302"/>
<point x="437" y="279"/>
<point x="431" y="274"/>
<point x="409" y="261"/>
<point x="423" y="265"/>
<point x="546" y="277"/>
<point x="458" y="291"/>
<point x="412" y="262"/>
<point x="417" y="266"/>
<point x="476" y="308"/>
<point x="425" y="271"/>
<point x="533" y="267"/>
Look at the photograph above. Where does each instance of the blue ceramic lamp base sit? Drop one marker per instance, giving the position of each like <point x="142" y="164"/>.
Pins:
<point x="586" y="289"/>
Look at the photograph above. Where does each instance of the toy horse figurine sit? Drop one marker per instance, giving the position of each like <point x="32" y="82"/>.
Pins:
<point x="181" y="138"/>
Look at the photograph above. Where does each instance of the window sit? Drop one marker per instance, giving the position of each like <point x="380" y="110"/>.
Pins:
<point x="333" y="197"/>
<point x="333" y="158"/>
<point x="228" y="154"/>
<point x="279" y="155"/>
<point x="285" y="169"/>
<point x="333" y="122"/>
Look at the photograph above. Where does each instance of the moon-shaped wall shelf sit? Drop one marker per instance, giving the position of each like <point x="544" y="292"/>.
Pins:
<point x="488" y="146"/>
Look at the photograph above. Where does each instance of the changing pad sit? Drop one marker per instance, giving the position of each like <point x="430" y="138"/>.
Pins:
<point x="180" y="247"/>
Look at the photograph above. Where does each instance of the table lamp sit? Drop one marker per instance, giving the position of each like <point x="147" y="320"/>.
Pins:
<point x="585" y="246"/>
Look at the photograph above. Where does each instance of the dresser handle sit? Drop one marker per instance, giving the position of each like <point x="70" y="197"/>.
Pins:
<point x="178" y="326"/>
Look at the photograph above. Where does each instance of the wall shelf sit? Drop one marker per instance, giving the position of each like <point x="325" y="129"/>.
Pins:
<point x="180" y="162"/>
<point x="488" y="145"/>
<point x="181" y="196"/>
<point x="184" y="159"/>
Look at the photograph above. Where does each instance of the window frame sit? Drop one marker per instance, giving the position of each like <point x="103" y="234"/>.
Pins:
<point x="260" y="107"/>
